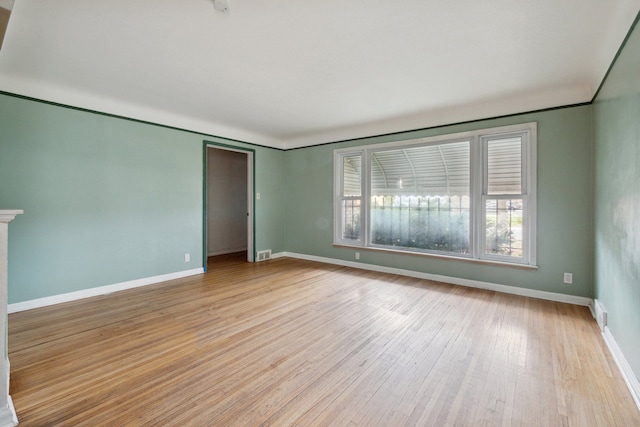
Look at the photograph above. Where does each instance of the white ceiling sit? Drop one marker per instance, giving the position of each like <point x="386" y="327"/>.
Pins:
<point x="287" y="73"/>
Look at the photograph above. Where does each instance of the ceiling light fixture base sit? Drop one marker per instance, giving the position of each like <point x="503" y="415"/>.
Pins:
<point x="221" y="5"/>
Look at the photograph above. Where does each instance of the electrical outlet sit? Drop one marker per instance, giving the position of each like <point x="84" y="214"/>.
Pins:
<point x="187" y="257"/>
<point x="568" y="278"/>
<point x="357" y="255"/>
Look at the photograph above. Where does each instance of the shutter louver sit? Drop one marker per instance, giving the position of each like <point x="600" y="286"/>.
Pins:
<point x="504" y="166"/>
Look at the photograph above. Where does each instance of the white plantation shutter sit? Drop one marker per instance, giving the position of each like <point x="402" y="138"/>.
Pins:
<point x="352" y="168"/>
<point x="504" y="166"/>
<point x="349" y="213"/>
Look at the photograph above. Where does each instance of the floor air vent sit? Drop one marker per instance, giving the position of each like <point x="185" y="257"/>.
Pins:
<point x="264" y="255"/>
<point x="601" y="315"/>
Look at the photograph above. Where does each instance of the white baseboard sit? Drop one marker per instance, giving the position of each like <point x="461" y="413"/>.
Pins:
<point x="592" y="309"/>
<point x="551" y="296"/>
<point x="627" y="373"/>
<point x="101" y="290"/>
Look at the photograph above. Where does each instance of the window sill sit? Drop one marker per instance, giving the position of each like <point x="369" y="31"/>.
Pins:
<point x="441" y="257"/>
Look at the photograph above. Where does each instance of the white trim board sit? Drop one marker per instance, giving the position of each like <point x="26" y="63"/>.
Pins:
<point x="551" y="296"/>
<point x="280" y="255"/>
<point x="8" y="415"/>
<point x="101" y="290"/>
<point x="625" y="369"/>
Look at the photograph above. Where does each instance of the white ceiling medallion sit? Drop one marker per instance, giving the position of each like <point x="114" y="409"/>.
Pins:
<point x="221" y="5"/>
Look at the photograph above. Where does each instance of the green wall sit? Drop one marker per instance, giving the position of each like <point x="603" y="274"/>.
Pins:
<point x="108" y="200"/>
<point x="564" y="206"/>
<point x="617" y="199"/>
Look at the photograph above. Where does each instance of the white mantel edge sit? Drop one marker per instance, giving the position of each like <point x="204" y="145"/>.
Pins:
<point x="7" y="215"/>
<point x="8" y="416"/>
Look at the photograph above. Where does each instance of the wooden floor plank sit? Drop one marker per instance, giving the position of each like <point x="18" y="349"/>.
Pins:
<point x="291" y="342"/>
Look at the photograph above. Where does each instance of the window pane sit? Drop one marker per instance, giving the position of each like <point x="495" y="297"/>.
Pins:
<point x="351" y="219"/>
<point x="420" y="197"/>
<point x="504" y="227"/>
<point x="504" y="166"/>
<point x="351" y="167"/>
<point x="430" y="170"/>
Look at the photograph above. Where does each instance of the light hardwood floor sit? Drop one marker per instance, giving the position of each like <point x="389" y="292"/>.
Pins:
<point x="290" y="342"/>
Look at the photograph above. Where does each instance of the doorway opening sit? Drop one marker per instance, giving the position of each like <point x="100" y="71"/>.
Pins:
<point x="228" y="202"/>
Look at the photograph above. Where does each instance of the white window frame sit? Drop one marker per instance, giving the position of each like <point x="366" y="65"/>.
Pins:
<point x="339" y="198"/>
<point x="478" y="192"/>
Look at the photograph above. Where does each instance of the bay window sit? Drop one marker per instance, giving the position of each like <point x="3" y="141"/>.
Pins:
<point x="469" y="195"/>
